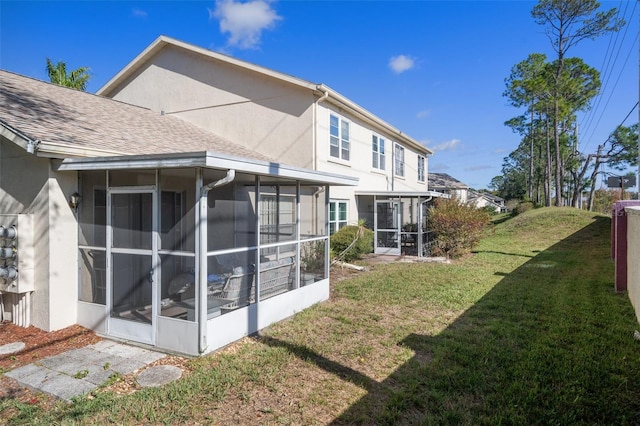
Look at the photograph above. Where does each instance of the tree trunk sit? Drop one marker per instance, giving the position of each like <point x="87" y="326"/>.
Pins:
<point x="547" y="183"/>
<point x="531" y="157"/>
<point x="558" y="168"/>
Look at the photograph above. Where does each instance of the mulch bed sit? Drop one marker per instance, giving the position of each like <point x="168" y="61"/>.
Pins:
<point x="39" y="344"/>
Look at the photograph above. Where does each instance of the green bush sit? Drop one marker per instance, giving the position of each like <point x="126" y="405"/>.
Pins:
<point x="523" y="206"/>
<point x="458" y="227"/>
<point x="491" y="211"/>
<point x="345" y="237"/>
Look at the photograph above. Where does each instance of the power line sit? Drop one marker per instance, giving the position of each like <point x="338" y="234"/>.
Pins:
<point x="606" y="61"/>
<point x="589" y="119"/>
<point x="612" y="90"/>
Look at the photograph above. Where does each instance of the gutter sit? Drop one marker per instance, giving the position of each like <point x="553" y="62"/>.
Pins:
<point x="201" y="299"/>
<point x="16" y="136"/>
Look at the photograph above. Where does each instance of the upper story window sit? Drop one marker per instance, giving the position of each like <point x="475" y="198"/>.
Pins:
<point x="421" y="162"/>
<point x="377" y="151"/>
<point x="339" y="137"/>
<point x="399" y="160"/>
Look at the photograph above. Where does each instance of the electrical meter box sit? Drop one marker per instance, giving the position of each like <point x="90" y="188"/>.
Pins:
<point x="17" y="259"/>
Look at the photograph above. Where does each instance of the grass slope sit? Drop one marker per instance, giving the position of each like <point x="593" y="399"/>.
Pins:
<point x="527" y="330"/>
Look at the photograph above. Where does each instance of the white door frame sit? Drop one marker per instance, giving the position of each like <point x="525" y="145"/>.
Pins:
<point x="378" y="232"/>
<point x="118" y="327"/>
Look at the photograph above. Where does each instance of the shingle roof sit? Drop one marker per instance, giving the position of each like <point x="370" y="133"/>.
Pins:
<point x="59" y="115"/>
<point x="444" y="181"/>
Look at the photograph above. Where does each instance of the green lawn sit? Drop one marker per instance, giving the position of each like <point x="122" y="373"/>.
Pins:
<point x="527" y="330"/>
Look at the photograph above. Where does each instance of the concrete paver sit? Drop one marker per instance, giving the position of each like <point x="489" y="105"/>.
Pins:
<point x="80" y="371"/>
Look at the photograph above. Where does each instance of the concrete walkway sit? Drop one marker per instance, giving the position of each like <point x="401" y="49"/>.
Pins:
<point x="82" y="370"/>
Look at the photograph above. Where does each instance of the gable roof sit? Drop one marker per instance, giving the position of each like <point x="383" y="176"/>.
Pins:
<point x="487" y="196"/>
<point x="64" y="122"/>
<point x="320" y="90"/>
<point x="441" y="181"/>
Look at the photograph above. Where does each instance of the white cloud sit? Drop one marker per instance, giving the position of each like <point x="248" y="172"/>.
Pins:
<point x="401" y="63"/>
<point x="244" y="21"/>
<point x="477" y="168"/>
<point x="139" y="13"/>
<point x="446" y="146"/>
<point x="424" y="114"/>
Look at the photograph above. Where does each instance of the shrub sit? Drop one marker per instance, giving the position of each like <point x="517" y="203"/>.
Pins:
<point x="523" y="206"/>
<point x="342" y="239"/>
<point x="491" y="211"/>
<point x="458" y="227"/>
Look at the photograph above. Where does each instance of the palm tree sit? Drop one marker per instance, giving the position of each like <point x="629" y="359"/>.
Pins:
<point x="76" y="79"/>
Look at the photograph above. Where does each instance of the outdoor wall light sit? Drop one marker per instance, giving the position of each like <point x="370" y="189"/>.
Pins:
<point x="74" y="201"/>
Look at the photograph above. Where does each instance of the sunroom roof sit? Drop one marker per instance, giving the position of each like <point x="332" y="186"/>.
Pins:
<point x="396" y="194"/>
<point x="210" y="160"/>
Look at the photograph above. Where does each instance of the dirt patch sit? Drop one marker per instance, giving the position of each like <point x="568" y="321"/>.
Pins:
<point x="39" y="344"/>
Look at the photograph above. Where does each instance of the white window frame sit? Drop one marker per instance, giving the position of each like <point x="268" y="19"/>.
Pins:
<point x="340" y="141"/>
<point x="378" y="153"/>
<point x="399" y="164"/>
<point x="336" y="223"/>
<point x="421" y="168"/>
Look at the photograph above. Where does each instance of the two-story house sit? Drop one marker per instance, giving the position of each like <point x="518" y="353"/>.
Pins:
<point x="297" y="122"/>
<point x="147" y="228"/>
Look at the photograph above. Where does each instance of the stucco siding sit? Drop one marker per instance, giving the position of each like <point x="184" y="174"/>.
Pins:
<point x="633" y="254"/>
<point x="28" y="185"/>
<point x="360" y="160"/>
<point x="269" y="116"/>
<point x="63" y="251"/>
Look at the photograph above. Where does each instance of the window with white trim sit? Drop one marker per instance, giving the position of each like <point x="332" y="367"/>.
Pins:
<point x="339" y="137"/>
<point x="421" y="163"/>
<point x="337" y="216"/>
<point x="399" y="160"/>
<point x="377" y="151"/>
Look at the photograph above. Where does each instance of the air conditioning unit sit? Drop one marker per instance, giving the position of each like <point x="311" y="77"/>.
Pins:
<point x="17" y="258"/>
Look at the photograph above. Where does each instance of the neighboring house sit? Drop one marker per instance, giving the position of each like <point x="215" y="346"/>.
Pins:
<point x="144" y="227"/>
<point x="445" y="184"/>
<point x="484" y="199"/>
<point x="294" y="121"/>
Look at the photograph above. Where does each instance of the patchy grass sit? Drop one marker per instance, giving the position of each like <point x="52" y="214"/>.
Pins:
<point x="527" y="330"/>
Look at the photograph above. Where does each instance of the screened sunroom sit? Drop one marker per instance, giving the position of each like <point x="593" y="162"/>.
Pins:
<point x="190" y="252"/>
<point x="400" y="220"/>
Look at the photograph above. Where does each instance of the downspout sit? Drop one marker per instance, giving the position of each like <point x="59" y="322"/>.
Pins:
<point x="314" y="153"/>
<point x="201" y="300"/>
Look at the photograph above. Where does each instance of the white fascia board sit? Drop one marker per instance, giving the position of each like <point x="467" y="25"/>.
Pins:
<point x="163" y="41"/>
<point x="273" y="169"/>
<point x="206" y="160"/>
<point x="403" y="194"/>
<point x="341" y="101"/>
<point x="15" y="136"/>
<point x="49" y="149"/>
<point x="55" y="150"/>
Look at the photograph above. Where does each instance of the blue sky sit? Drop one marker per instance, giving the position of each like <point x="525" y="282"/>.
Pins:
<point x="433" y="69"/>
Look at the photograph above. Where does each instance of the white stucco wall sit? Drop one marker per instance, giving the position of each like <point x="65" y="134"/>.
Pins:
<point x="633" y="254"/>
<point x="29" y="185"/>
<point x="63" y="251"/>
<point x="360" y="162"/>
<point x="264" y="114"/>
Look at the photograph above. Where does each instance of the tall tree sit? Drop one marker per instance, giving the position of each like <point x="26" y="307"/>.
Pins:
<point x="567" y="23"/>
<point x="76" y="79"/>
<point x="525" y="86"/>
